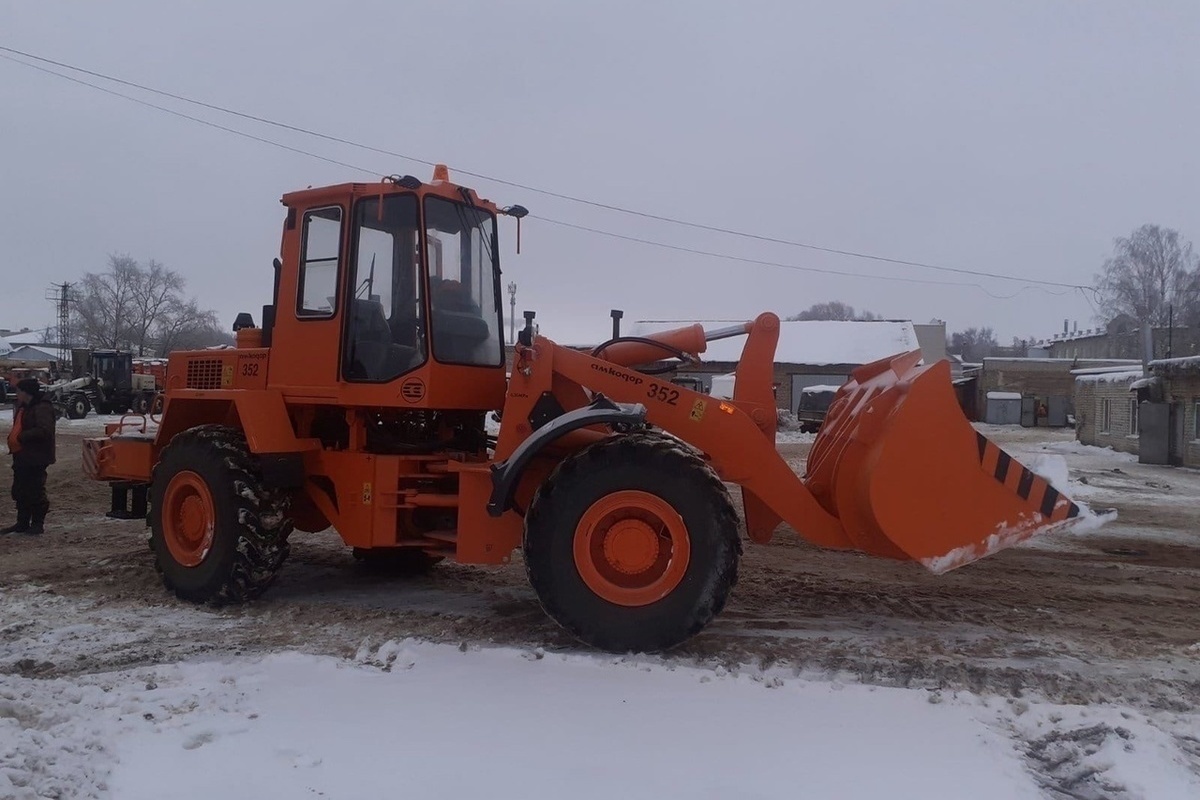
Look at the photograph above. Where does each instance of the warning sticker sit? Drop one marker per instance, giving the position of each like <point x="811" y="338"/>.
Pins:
<point x="698" y="409"/>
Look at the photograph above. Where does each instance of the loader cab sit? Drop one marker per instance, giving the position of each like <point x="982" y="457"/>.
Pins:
<point x="389" y="296"/>
<point x="114" y="369"/>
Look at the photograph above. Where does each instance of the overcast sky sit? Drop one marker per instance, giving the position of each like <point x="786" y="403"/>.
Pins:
<point x="1010" y="137"/>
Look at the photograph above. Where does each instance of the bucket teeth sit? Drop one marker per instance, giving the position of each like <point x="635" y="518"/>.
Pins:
<point x="1027" y="484"/>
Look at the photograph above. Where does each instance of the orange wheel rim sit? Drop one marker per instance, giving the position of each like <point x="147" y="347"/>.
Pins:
<point x="188" y="518"/>
<point x="631" y="548"/>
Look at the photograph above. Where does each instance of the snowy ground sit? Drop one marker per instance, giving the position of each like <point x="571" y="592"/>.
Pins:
<point x="532" y="724"/>
<point x="1063" y="668"/>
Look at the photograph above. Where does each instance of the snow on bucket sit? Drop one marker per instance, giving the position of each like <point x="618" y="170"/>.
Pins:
<point x="910" y="478"/>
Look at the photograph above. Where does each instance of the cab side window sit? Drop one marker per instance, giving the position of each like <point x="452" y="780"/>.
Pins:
<point x="317" y="296"/>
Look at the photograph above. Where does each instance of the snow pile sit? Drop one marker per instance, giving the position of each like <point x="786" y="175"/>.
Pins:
<point x="1075" y="447"/>
<point x="1054" y="469"/>
<point x="1003" y="395"/>
<point x="794" y="437"/>
<point x="1102" y="751"/>
<point x="53" y="737"/>
<point x="535" y="725"/>
<point x="1051" y="467"/>
<point x="787" y="420"/>
<point x="788" y="430"/>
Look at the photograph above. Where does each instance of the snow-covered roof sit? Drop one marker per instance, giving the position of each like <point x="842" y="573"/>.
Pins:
<point x="1101" y="370"/>
<point x="1175" y="364"/>
<point x="27" y="353"/>
<point x="819" y="388"/>
<point x="1089" y="333"/>
<point x="1003" y="395"/>
<point x="15" y="340"/>
<point x="1110" y="377"/>
<point x="1020" y="360"/>
<point x="813" y="342"/>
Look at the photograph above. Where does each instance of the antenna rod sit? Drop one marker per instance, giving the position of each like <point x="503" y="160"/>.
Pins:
<point x="512" y="312"/>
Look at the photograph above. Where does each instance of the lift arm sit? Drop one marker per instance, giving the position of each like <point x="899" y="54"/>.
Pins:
<point x="896" y="471"/>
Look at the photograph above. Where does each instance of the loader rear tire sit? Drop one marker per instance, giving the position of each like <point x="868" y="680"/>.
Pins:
<point x="632" y="544"/>
<point x="218" y="535"/>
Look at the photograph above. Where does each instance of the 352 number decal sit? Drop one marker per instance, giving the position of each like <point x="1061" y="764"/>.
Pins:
<point x="250" y="369"/>
<point x="663" y="394"/>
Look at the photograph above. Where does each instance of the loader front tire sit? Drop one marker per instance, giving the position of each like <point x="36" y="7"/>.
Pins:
<point x="632" y="544"/>
<point x="78" y="406"/>
<point x="218" y="535"/>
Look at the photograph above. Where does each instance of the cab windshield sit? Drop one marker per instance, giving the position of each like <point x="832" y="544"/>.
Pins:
<point x="460" y="241"/>
<point x="386" y="325"/>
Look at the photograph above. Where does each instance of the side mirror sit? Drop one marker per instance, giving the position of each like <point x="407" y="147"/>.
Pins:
<point x="526" y="335"/>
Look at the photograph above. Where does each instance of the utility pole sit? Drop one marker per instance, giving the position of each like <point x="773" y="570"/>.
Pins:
<point x="60" y="295"/>
<point x="1170" y="329"/>
<point x="512" y="312"/>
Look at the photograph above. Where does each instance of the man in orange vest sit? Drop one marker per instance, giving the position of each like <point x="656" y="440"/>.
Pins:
<point x="31" y="443"/>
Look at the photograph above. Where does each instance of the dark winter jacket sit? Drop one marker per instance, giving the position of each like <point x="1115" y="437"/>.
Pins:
<point x="36" y="439"/>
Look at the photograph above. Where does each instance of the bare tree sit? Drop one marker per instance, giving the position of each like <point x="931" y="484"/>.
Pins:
<point x="141" y="309"/>
<point x="156" y="296"/>
<point x="833" y="310"/>
<point x="1150" y="271"/>
<point x="974" y="344"/>
<point x="106" y="304"/>
<point x="189" y="328"/>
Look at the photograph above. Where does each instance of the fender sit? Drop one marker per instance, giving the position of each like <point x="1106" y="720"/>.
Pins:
<point x="602" y="411"/>
<point x="261" y="414"/>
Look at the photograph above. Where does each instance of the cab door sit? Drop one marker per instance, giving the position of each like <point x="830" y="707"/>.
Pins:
<point x="308" y="318"/>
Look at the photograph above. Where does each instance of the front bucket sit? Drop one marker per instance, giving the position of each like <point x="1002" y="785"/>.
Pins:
<point x="908" y="477"/>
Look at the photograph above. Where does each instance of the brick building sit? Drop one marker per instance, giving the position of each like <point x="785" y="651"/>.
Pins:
<point x="1180" y="392"/>
<point x="1049" y="380"/>
<point x="1107" y="409"/>
<point x="1155" y="415"/>
<point x="1122" y="338"/>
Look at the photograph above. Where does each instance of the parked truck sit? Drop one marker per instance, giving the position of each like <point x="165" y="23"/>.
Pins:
<point x="813" y="405"/>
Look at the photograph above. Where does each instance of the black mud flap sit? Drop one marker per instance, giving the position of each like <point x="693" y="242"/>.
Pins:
<point x="128" y="501"/>
<point x="602" y="411"/>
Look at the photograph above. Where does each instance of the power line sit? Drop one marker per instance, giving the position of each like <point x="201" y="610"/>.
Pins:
<point x="501" y="181"/>
<point x="782" y="265"/>
<point x="173" y="112"/>
<point x="574" y="226"/>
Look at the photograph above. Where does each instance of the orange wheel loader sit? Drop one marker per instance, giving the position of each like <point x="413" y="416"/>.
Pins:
<point x="359" y="404"/>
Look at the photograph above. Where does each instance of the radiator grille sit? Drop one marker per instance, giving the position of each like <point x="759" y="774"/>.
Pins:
<point x="204" y="373"/>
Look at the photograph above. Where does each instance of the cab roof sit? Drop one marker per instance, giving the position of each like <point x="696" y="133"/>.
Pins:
<point x="438" y="186"/>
